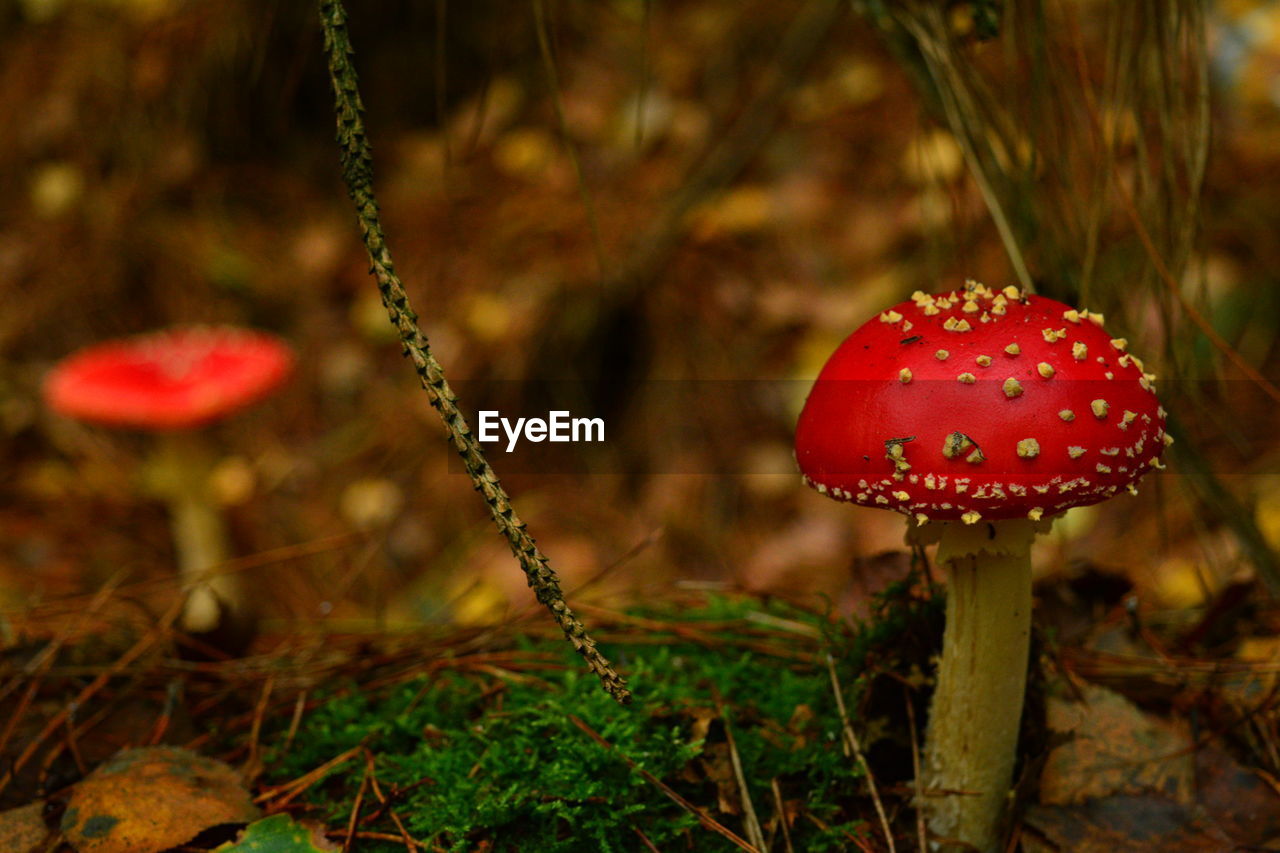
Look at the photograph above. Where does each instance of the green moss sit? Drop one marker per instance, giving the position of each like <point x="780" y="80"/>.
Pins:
<point x="484" y="758"/>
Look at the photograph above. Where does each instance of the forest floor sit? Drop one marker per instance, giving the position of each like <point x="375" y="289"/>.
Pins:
<point x="675" y="242"/>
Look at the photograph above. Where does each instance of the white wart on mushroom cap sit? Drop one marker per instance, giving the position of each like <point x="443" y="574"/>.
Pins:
<point x="1034" y="409"/>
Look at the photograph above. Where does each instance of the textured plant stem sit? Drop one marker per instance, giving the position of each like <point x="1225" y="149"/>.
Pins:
<point x="357" y="173"/>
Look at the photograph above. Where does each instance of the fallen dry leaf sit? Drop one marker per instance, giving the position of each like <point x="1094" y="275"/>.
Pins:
<point x="151" y="799"/>
<point x="1112" y="747"/>
<point x="23" y="830"/>
<point x="718" y="767"/>
<point x="1125" y="780"/>
<point x="1120" y="824"/>
<point x="1239" y="801"/>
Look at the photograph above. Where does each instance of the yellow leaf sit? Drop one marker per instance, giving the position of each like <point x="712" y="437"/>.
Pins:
<point x="525" y="152"/>
<point x="1179" y="583"/>
<point x="740" y="211"/>
<point x="23" y="828"/>
<point x="154" y="798"/>
<point x="934" y="158"/>
<point x="55" y="189"/>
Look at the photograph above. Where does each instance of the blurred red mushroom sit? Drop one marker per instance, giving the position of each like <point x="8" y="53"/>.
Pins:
<point x="980" y="415"/>
<point x="173" y="382"/>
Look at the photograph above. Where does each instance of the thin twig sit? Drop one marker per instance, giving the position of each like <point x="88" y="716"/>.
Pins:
<point x="60" y="718"/>
<point x="553" y="82"/>
<point x="410" y="843"/>
<point x="253" y="762"/>
<point x="299" y="705"/>
<point x="48" y="655"/>
<point x="364" y="835"/>
<point x="642" y="88"/>
<point x="1161" y="268"/>
<point x="91" y="689"/>
<point x="703" y="818"/>
<point x="165" y="718"/>
<point x="442" y="80"/>
<point x="732" y="152"/>
<point x="857" y="840"/>
<point x="852" y="746"/>
<point x="754" y="832"/>
<point x="73" y="746"/>
<point x="921" y="834"/>
<point x="289" y="790"/>
<point x="357" y="173"/>
<point x="644" y="839"/>
<point x="935" y="49"/>
<point x="355" y="811"/>
<point x="17" y="712"/>
<point x="782" y="815"/>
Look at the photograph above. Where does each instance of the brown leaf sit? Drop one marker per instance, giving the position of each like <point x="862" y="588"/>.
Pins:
<point x="718" y="766"/>
<point x="149" y="799"/>
<point x="22" y="830"/>
<point x="1112" y="747"/>
<point x="1126" y="780"/>
<point x="702" y="720"/>
<point x="1120" y="824"/>
<point x="1240" y="803"/>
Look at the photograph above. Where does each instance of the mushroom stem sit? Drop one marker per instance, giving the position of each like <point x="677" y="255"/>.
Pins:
<point x="200" y="539"/>
<point x="972" y="738"/>
<point x="180" y="476"/>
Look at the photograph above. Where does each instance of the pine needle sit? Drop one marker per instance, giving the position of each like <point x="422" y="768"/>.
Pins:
<point x="853" y="748"/>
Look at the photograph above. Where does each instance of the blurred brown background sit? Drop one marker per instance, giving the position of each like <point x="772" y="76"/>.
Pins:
<point x="583" y="197"/>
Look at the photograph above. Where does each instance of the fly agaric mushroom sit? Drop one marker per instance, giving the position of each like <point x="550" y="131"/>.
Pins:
<point x="174" y="382"/>
<point x="980" y="414"/>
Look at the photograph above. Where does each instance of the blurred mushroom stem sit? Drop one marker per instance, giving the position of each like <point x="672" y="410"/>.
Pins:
<point x="972" y="739"/>
<point x="179" y="475"/>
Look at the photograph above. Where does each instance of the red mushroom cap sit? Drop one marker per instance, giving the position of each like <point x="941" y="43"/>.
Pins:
<point x="980" y="403"/>
<point x="175" y="379"/>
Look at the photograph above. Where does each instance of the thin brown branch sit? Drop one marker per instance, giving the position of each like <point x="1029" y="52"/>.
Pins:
<point x="734" y="150"/>
<point x="703" y="818"/>
<point x="921" y="835"/>
<point x="852" y="747"/>
<point x="755" y="834"/>
<point x="783" y="823"/>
